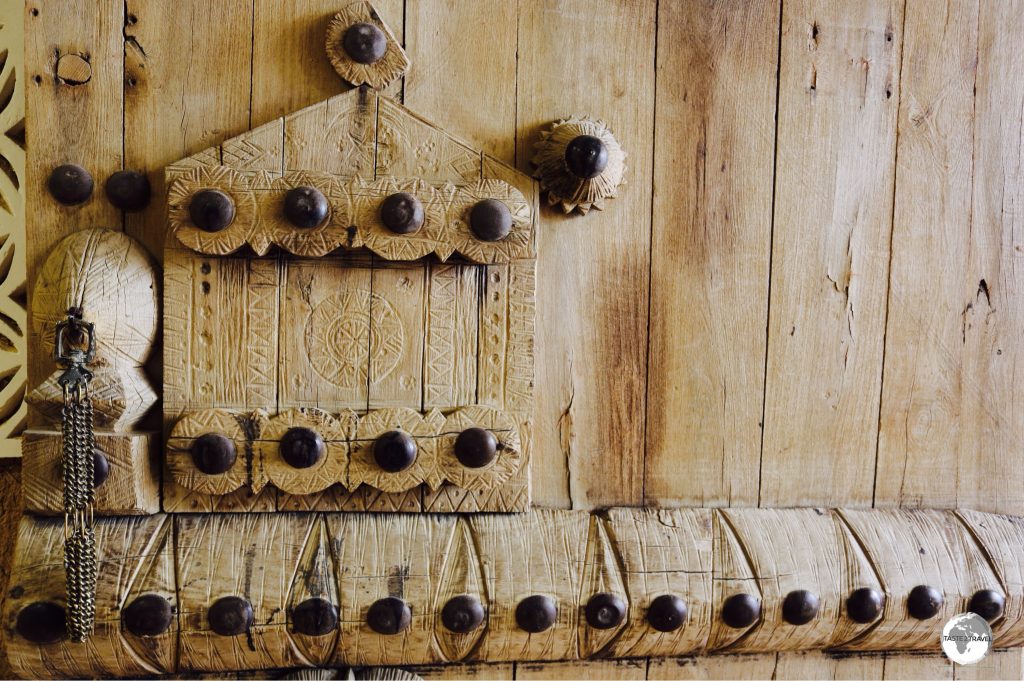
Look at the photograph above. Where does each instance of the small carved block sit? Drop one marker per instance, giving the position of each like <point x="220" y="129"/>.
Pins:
<point x="579" y="164"/>
<point x="129" y="487"/>
<point x="362" y="48"/>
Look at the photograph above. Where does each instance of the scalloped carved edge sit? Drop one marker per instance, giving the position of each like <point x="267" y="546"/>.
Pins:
<point x="562" y="187"/>
<point x="380" y="73"/>
<point x="348" y="459"/>
<point x="354" y="219"/>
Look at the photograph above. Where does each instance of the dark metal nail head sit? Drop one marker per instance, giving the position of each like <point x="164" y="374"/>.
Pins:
<point x="865" y="605"/>
<point x="741" y="610"/>
<point x="128" y="190"/>
<point x="536" y="613"/>
<point x="605" y="611"/>
<point x="667" y="613"/>
<point x="148" y="615"/>
<point x="100" y="468"/>
<point x="586" y="157"/>
<point x="213" y="453"/>
<point x="305" y="207"/>
<point x="230" y="616"/>
<point x="476" y="447"/>
<point x="394" y="451"/>
<point x="389" y="616"/>
<point x="800" y="607"/>
<point x="987" y="603"/>
<point x="490" y="220"/>
<point x="462" y="614"/>
<point x="315" y="617"/>
<point x="402" y="213"/>
<point x="211" y="210"/>
<point x="924" y="602"/>
<point x="70" y="184"/>
<point x="42" y="622"/>
<point x="364" y="43"/>
<point x="302" y="447"/>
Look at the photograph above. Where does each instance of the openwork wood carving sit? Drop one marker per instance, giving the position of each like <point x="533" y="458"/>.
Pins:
<point x="547" y="585"/>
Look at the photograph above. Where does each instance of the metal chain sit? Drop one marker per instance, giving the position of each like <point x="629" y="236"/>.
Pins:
<point x="77" y="465"/>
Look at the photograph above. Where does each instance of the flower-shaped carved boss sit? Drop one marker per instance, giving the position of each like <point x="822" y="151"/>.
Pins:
<point x="349" y="317"/>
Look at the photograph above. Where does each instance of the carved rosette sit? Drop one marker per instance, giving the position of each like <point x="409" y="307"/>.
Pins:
<point x="564" y="188"/>
<point x="364" y="470"/>
<point x="233" y="183"/>
<point x="391" y="66"/>
<point x="324" y="473"/>
<point x="499" y="471"/>
<point x="237" y="428"/>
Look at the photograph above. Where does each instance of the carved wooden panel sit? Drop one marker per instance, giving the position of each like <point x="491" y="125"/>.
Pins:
<point x="349" y="563"/>
<point x="267" y="317"/>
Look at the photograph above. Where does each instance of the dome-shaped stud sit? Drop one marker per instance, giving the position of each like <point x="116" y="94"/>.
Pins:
<point x="924" y="602"/>
<point x="148" y="615"/>
<point x="389" y="616"/>
<point x="586" y="156"/>
<point x="666" y="613"/>
<point x="536" y="613"/>
<point x="462" y="614"/>
<point x="988" y="604"/>
<point x="211" y="210"/>
<point x="476" y="447"/>
<point x="70" y="184"/>
<point x="605" y="611"/>
<point x="402" y="213"/>
<point x="740" y="611"/>
<point x="800" y="607"/>
<point x="213" y="453"/>
<point x="579" y="163"/>
<point x="42" y="622"/>
<point x="865" y="605"/>
<point x="230" y="616"/>
<point x="364" y="43"/>
<point x="128" y="190"/>
<point x="305" y="207"/>
<point x="100" y="468"/>
<point x="490" y="220"/>
<point x="314" y="617"/>
<point x="302" y="447"/>
<point x="394" y="451"/>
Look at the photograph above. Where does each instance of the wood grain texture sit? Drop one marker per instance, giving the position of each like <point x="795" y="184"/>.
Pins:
<point x="132" y="486"/>
<point x="715" y="103"/>
<point x="277" y="561"/>
<point x="930" y="316"/>
<point x="590" y="429"/>
<point x="82" y="123"/>
<point x="838" y="95"/>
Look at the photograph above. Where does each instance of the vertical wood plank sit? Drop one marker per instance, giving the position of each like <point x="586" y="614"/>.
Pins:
<point x="397" y="310"/>
<point x="713" y="166"/>
<point x="932" y="299"/>
<point x="75" y="122"/>
<point x="838" y="92"/>
<point x="989" y="468"/>
<point x="187" y="66"/>
<point x="593" y="273"/>
<point x="463" y="76"/>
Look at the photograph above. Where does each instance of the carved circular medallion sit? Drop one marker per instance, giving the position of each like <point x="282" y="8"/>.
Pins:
<point x="338" y="332"/>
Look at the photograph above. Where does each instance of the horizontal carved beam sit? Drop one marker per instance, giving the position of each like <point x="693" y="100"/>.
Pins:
<point x="256" y="213"/>
<point x="305" y="451"/>
<point x="386" y="589"/>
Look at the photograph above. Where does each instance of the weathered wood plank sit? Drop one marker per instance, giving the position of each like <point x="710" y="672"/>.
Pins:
<point x="932" y="297"/>
<point x="80" y="123"/>
<point x="838" y="94"/>
<point x="710" y="250"/>
<point x="591" y="367"/>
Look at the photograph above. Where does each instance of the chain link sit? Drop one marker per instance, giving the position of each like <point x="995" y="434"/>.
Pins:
<point x="77" y="465"/>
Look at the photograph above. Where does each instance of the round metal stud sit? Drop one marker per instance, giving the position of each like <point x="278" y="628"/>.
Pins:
<point x="605" y="611"/>
<point x="211" y="210"/>
<point x="740" y="611"/>
<point x="148" y="615"/>
<point x="666" y="613"/>
<point x="389" y="616"/>
<point x="70" y="184"/>
<point x="213" y="453"/>
<point x="364" y="43"/>
<point x="800" y="607"/>
<point x="42" y="622"/>
<point x="490" y="220"/>
<point x="302" y="447"/>
<point x="402" y="213"/>
<point x="315" y="617"/>
<point x="230" y="616"/>
<point x="924" y="602"/>
<point x="536" y="613"/>
<point x="100" y="468"/>
<point x="987" y="603"/>
<point x="865" y="605"/>
<point x="305" y="207"/>
<point x="462" y="614"/>
<point x="128" y="190"/>
<point x="394" y="451"/>
<point x="476" y="447"/>
<point x="586" y="157"/>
